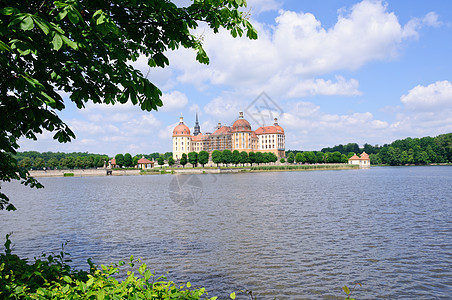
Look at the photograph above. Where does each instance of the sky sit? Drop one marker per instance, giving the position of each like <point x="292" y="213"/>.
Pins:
<point x="332" y="72"/>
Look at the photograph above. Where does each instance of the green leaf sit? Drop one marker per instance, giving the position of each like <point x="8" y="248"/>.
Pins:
<point x="73" y="16"/>
<point x="101" y="295"/>
<point x="61" y="14"/>
<point x="70" y="43"/>
<point x="57" y="42"/>
<point x="346" y="289"/>
<point x="232" y="295"/>
<point x="189" y="284"/>
<point x="42" y="25"/>
<point x="5" y="47"/>
<point x="27" y="23"/>
<point x="7" y="11"/>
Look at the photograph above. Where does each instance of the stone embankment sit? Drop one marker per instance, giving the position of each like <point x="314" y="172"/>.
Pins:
<point x="82" y="173"/>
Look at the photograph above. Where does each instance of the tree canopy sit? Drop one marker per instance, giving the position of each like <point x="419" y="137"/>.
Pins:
<point x="84" y="48"/>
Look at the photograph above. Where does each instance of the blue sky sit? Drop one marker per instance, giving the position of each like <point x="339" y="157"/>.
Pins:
<point x="335" y="71"/>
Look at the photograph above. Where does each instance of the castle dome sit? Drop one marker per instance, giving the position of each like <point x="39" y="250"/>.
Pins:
<point x="241" y="124"/>
<point x="181" y="129"/>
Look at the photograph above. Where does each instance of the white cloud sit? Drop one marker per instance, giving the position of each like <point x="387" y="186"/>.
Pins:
<point x="314" y="87"/>
<point x="258" y="6"/>
<point x="298" y="48"/>
<point x="173" y="101"/>
<point x="436" y="96"/>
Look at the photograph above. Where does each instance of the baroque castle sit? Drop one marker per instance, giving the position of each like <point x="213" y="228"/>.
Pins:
<point x="239" y="137"/>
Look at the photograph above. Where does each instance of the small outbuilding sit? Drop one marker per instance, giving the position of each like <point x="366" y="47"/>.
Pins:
<point x="363" y="160"/>
<point x="112" y="164"/>
<point x="144" y="163"/>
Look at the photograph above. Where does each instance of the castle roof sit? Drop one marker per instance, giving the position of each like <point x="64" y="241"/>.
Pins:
<point x="181" y="129"/>
<point x="270" y="130"/>
<point x="222" y="130"/>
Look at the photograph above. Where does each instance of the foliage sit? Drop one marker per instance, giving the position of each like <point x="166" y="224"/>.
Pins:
<point x="68" y="174"/>
<point x="217" y="157"/>
<point x="226" y="157"/>
<point x="119" y="159"/>
<point x="258" y="158"/>
<point x="235" y="157"/>
<point x="50" y="277"/>
<point x="170" y="161"/>
<point x="304" y="167"/>
<point x="291" y="158"/>
<point x="244" y="158"/>
<point x="128" y="161"/>
<point x="183" y="161"/>
<point x="193" y="158"/>
<point x="252" y="158"/>
<point x="84" y="48"/>
<point x="346" y="290"/>
<point x="161" y="161"/>
<point x="282" y="160"/>
<point x="203" y="158"/>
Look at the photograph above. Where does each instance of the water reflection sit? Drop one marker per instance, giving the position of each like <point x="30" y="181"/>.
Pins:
<point x="289" y="235"/>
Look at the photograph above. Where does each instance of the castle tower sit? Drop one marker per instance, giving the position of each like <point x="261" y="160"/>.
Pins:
<point x="197" y="129"/>
<point x="181" y="139"/>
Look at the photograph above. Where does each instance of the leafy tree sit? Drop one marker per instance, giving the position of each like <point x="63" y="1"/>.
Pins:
<point x="167" y="155"/>
<point x="344" y="158"/>
<point x="135" y="160"/>
<point x="79" y="164"/>
<point x="375" y="159"/>
<point x="291" y="158"/>
<point x="252" y="158"/>
<point x="336" y="157"/>
<point x="53" y="163"/>
<point x="128" y="161"/>
<point x="299" y="158"/>
<point x="217" y="157"/>
<point x="236" y="157"/>
<point x="102" y="161"/>
<point x="70" y="162"/>
<point x="193" y="158"/>
<point x="259" y="158"/>
<point x="84" y="48"/>
<point x="26" y="163"/>
<point x="39" y="163"/>
<point x="272" y="157"/>
<point x="119" y="160"/>
<point x="161" y="161"/>
<point x="183" y="161"/>
<point x="203" y="158"/>
<point x="244" y="158"/>
<point x="226" y="157"/>
<point x="170" y="161"/>
<point x="319" y="157"/>
<point x="282" y="160"/>
<point x="309" y="156"/>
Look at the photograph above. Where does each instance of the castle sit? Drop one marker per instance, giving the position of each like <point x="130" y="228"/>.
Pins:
<point x="239" y="137"/>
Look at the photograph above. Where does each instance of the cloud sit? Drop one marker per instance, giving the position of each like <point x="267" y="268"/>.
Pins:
<point x="173" y="101"/>
<point x="314" y="87"/>
<point x="291" y="57"/>
<point x="436" y="96"/>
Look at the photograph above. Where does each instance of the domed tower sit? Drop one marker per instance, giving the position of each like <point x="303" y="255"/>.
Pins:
<point x="181" y="139"/>
<point x="241" y="134"/>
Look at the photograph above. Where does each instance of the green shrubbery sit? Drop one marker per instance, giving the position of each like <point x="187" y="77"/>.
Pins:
<point x="304" y="167"/>
<point x="50" y="277"/>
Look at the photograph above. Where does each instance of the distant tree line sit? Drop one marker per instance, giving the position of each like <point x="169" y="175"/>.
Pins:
<point x="79" y="160"/>
<point x="126" y="160"/>
<point x="417" y="151"/>
<point x="59" y="160"/>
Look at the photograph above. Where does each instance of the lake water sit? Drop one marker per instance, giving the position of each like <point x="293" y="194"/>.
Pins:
<point x="290" y="235"/>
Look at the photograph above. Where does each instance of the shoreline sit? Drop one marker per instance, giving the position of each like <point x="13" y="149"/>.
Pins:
<point x="157" y="171"/>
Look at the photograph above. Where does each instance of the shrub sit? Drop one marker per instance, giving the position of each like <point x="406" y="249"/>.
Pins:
<point x="68" y="175"/>
<point x="52" y="278"/>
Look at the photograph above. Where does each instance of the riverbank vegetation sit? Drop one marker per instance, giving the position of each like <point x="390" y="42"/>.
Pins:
<point x="412" y="151"/>
<point x="305" y="167"/>
<point x="50" y="277"/>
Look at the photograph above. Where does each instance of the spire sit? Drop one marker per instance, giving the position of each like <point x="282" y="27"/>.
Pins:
<point x="240" y="114"/>
<point x="197" y="129"/>
<point x="276" y="122"/>
<point x="181" y="119"/>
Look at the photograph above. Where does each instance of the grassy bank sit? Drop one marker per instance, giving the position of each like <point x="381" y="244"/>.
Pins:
<point x="304" y="167"/>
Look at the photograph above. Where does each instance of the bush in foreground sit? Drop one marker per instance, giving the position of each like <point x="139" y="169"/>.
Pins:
<point x="50" y="277"/>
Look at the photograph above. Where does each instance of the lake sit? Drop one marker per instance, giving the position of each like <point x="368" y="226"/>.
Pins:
<point x="290" y="235"/>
